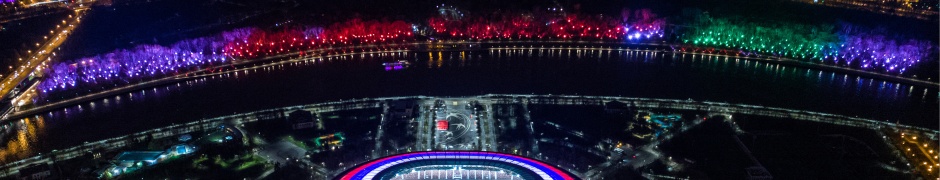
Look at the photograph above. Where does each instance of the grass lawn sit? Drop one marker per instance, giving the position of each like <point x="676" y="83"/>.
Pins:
<point x="205" y="166"/>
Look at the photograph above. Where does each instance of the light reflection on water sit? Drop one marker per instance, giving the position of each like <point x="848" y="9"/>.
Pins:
<point x="881" y="89"/>
<point x="19" y="137"/>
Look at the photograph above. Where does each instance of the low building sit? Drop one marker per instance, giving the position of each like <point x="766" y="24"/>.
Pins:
<point x="616" y="107"/>
<point x="139" y="158"/>
<point x="401" y="108"/>
<point x="108" y="172"/>
<point x="269" y="115"/>
<point x="130" y="161"/>
<point x="36" y="171"/>
<point x="180" y="149"/>
<point x="185" y="137"/>
<point x="301" y="119"/>
<point x="442" y="125"/>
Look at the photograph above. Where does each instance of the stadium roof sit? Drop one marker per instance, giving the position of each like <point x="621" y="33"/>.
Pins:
<point x="383" y="167"/>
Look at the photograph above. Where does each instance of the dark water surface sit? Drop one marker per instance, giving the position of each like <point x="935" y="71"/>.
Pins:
<point x="585" y="72"/>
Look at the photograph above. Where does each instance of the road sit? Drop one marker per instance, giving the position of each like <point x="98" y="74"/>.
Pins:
<point x="406" y="47"/>
<point x="43" y="54"/>
<point x="645" y="154"/>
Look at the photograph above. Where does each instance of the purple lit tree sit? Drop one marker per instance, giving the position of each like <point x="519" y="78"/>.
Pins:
<point x="141" y="62"/>
<point x="642" y="23"/>
<point x="871" y="49"/>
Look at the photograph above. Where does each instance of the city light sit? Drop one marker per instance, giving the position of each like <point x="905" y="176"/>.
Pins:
<point x="632" y="25"/>
<point x="144" y="61"/>
<point x="813" y="43"/>
<point x="73" y="102"/>
<point x="355" y="31"/>
<point x="820" y="43"/>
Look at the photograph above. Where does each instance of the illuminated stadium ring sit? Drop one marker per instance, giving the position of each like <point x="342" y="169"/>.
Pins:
<point x="384" y="167"/>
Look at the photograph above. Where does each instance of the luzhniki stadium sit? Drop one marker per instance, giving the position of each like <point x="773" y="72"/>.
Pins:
<point x="455" y="165"/>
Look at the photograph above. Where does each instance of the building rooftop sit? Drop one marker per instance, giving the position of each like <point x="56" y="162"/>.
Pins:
<point x="139" y="155"/>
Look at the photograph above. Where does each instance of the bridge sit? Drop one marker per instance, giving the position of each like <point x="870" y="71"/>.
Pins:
<point x="42" y="8"/>
<point x="43" y="54"/>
